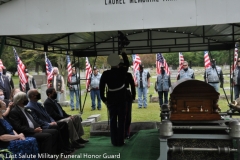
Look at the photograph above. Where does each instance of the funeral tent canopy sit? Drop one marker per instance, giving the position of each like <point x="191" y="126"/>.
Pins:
<point x="151" y="26"/>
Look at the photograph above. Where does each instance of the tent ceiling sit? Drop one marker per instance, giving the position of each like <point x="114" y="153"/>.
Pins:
<point x="181" y="39"/>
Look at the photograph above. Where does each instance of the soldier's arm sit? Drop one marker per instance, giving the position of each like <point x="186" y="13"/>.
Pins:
<point x="133" y="89"/>
<point x="102" y="87"/>
<point x="125" y="59"/>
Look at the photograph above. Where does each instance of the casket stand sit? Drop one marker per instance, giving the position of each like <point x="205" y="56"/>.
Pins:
<point x="193" y="128"/>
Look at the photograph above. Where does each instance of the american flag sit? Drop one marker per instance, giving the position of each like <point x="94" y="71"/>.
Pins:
<point x="1" y="64"/>
<point x="69" y="68"/>
<point x="207" y="63"/>
<point x="136" y="63"/>
<point x="160" y="61"/>
<point x="88" y="73"/>
<point x="181" y="60"/>
<point x="235" y="57"/>
<point x="49" y="70"/>
<point x="21" y="70"/>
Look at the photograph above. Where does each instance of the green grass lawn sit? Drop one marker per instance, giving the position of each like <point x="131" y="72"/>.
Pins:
<point x="151" y="113"/>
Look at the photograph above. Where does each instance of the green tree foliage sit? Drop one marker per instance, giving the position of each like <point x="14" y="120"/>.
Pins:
<point x="35" y="60"/>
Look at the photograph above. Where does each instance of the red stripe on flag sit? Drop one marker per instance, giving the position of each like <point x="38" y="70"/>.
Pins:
<point x="69" y="68"/>
<point x="207" y="63"/>
<point x="49" y="70"/>
<point x="136" y="63"/>
<point x="21" y="70"/>
<point x="235" y="59"/>
<point x="88" y="72"/>
<point x="160" y="61"/>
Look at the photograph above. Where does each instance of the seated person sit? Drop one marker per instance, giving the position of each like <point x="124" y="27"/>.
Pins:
<point x="18" y="144"/>
<point x="41" y="116"/>
<point x="23" y="122"/>
<point x="8" y="103"/>
<point x="55" y="110"/>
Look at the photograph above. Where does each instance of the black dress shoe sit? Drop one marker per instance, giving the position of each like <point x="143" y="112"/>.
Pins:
<point x="76" y="145"/>
<point x="81" y="141"/>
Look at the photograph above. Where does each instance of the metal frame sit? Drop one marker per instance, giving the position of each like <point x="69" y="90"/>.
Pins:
<point x="193" y="39"/>
<point x="164" y="146"/>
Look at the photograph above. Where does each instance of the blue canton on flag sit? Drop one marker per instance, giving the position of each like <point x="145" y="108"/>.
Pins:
<point x="160" y="58"/>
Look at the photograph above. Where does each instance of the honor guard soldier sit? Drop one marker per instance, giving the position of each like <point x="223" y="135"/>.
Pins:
<point x="186" y="72"/>
<point x="131" y="95"/>
<point x="115" y="97"/>
<point x="213" y="75"/>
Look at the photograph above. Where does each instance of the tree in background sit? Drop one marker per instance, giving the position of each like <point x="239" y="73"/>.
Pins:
<point x="34" y="60"/>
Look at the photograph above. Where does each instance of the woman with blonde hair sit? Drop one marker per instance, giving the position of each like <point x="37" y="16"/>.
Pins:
<point x="17" y="144"/>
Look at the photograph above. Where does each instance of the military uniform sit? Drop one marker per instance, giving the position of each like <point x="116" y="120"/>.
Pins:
<point x="115" y="98"/>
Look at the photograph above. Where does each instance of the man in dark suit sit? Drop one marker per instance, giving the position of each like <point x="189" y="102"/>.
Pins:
<point x="22" y="122"/>
<point x="5" y="84"/>
<point x="55" y="110"/>
<point x="41" y="116"/>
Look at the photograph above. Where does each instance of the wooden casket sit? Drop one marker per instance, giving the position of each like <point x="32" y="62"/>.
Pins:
<point x="193" y="100"/>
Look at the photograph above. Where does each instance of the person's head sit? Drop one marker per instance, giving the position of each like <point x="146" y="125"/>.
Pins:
<point x="141" y="66"/>
<point x="13" y="92"/>
<point x="162" y="69"/>
<point x="33" y="95"/>
<point x="26" y="71"/>
<point x="20" y="99"/>
<point x="51" y="93"/>
<point x="113" y="60"/>
<point x="73" y="70"/>
<point x="1" y="95"/>
<point x="185" y="65"/>
<point x="213" y="63"/>
<point x="95" y="70"/>
<point x="2" y="107"/>
<point x="55" y="71"/>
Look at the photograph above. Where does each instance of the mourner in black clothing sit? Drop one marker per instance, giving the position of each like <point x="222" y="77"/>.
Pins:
<point x="131" y="95"/>
<point x="115" y="98"/>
